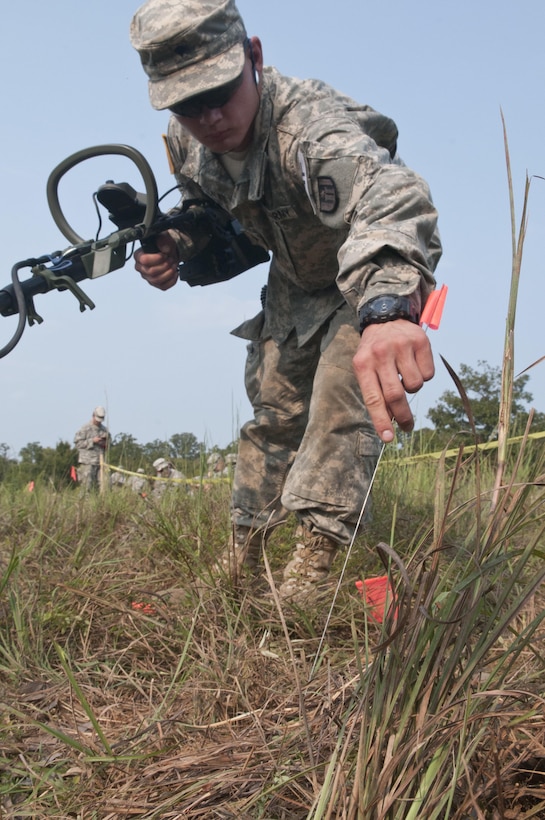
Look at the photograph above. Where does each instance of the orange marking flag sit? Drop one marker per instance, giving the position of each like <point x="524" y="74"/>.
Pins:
<point x="433" y="309"/>
<point x="146" y="609"/>
<point x="378" y="595"/>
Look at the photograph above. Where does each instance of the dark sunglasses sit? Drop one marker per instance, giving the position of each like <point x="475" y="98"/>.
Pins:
<point x="216" y="98"/>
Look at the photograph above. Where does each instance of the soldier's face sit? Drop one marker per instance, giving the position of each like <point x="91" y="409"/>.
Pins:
<point x="229" y="127"/>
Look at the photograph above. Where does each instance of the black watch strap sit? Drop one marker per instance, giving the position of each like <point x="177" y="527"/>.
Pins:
<point x="387" y="308"/>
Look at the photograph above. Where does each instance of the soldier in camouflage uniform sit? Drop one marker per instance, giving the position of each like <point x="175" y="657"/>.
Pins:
<point x="138" y="482"/>
<point x="91" y="441"/>
<point x="167" y="477"/>
<point x="313" y="177"/>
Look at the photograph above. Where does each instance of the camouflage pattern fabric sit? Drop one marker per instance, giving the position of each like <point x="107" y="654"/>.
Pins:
<point x="88" y="476"/>
<point x="88" y="451"/>
<point x="310" y="447"/>
<point x="182" y="60"/>
<point x="138" y="483"/>
<point x="161" y="485"/>
<point x="324" y="190"/>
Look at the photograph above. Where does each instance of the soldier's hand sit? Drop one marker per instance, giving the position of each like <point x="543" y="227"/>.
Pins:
<point x="392" y="359"/>
<point x="159" y="269"/>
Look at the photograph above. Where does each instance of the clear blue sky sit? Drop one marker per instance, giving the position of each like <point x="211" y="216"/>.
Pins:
<point x="164" y="363"/>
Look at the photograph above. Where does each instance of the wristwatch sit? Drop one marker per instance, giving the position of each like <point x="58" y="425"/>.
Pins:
<point x="387" y="308"/>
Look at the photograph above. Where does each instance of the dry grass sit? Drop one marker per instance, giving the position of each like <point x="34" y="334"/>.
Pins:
<point x="211" y="703"/>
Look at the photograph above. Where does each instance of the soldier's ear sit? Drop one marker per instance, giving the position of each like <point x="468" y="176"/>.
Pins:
<point x="256" y="56"/>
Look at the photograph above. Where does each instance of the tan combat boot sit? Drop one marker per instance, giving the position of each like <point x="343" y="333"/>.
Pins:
<point x="308" y="567"/>
<point x="240" y="559"/>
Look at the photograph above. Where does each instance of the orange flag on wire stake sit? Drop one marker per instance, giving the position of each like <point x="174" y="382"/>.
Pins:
<point x="378" y="593"/>
<point x="73" y="474"/>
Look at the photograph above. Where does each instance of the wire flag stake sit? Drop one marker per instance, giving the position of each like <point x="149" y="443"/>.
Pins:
<point x="430" y="319"/>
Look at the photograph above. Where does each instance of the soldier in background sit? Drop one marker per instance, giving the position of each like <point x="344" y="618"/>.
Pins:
<point x="220" y="467"/>
<point x="117" y="478"/>
<point x="230" y="464"/>
<point x="91" y="442"/>
<point x="138" y="483"/>
<point x="167" y="476"/>
<point x="216" y="465"/>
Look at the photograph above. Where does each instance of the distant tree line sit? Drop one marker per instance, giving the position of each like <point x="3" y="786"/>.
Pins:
<point x="482" y="387"/>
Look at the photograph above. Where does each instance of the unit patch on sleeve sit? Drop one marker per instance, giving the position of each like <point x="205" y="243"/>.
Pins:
<point x="327" y="193"/>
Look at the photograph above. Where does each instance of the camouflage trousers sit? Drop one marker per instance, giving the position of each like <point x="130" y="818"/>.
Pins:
<point x="88" y="476"/>
<point x="310" y="448"/>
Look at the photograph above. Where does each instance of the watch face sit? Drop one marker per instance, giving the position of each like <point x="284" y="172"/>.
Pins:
<point x="385" y="304"/>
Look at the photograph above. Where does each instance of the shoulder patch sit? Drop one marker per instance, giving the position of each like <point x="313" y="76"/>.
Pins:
<point x="327" y="193"/>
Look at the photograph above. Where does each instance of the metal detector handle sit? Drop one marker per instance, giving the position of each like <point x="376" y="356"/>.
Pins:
<point x="97" y="151"/>
<point x="149" y="245"/>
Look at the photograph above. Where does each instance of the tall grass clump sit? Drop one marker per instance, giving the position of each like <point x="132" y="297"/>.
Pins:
<point x="446" y="717"/>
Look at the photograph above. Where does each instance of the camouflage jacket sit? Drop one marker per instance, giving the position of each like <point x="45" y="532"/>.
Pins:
<point x="88" y="451"/>
<point x="173" y="481"/>
<point x="323" y="189"/>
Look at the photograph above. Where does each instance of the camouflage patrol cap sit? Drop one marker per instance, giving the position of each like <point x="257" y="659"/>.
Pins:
<point x="99" y="412"/>
<point x="188" y="47"/>
<point x="160" y="464"/>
